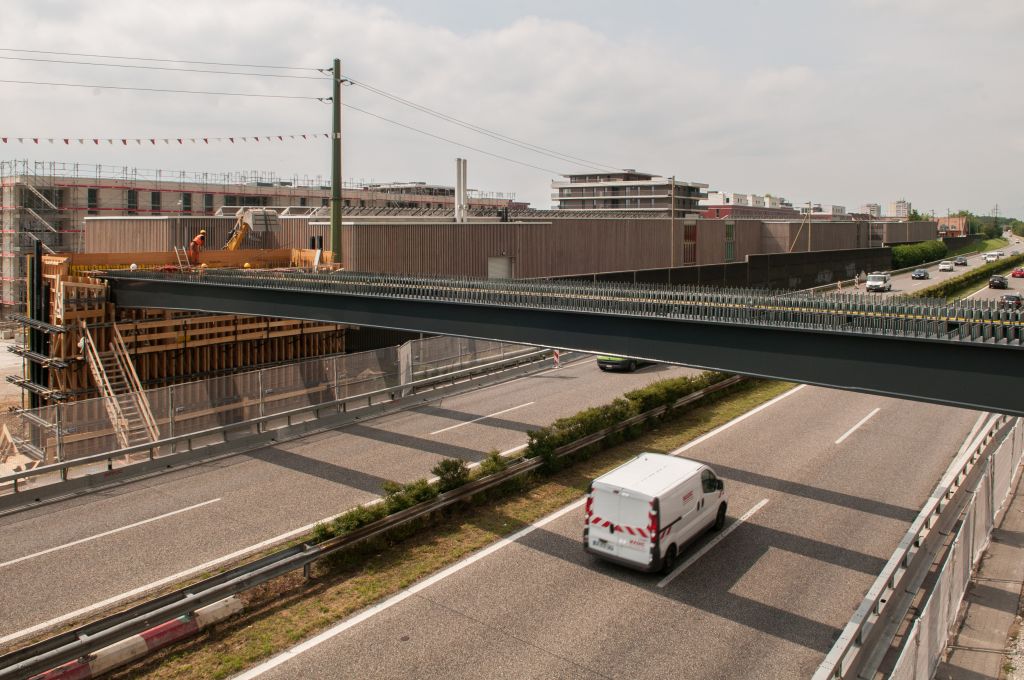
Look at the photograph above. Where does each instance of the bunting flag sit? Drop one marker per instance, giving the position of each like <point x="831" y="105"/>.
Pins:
<point x="153" y="141"/>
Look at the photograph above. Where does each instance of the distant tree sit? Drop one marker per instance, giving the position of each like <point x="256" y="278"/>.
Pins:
<point x="915" y="216"/>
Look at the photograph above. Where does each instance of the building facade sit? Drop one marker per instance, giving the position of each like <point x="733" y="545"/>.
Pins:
<point x="628" y="190"/>
<point x="48" y="203"/>
<point x="900" y="208"/>
<point x="871" y="210"/>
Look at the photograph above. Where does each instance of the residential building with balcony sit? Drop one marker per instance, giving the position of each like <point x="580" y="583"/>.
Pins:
<point x="900" y="208"/>
<point x="628" y="190"/>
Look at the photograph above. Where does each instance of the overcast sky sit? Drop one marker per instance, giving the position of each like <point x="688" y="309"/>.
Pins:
<point x="844" y="101"/>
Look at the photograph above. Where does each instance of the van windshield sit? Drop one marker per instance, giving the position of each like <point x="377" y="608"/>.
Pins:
<point x="876" y="278"/>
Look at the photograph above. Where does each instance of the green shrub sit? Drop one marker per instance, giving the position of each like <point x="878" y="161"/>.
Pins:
<point x="357" y="517"/>
<point x="322" y="532"/>
<point x="492" y="464"/>
<point x="546" y="441"/>
<point x="398" y="497"/>
<point x="451" y="473"/>
<point x="911" y="254"/>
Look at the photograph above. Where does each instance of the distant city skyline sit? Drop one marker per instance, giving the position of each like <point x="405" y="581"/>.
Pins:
<point x="843" y="103"/>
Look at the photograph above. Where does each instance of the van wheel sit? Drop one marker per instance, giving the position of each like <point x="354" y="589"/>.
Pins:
<point x="670" y="559"/>
<point x="631" y="366"/>
<point x="720" y="518"/>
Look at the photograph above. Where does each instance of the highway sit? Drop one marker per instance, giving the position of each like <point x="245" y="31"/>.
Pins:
<point x="765" y="602"/>
<point x="60" y="555"/>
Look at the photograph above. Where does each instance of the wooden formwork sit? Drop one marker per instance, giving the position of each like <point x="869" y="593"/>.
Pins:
<point x="166" y="346"/>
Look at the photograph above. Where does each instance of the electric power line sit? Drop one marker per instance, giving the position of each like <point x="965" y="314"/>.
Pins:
<point x="490" y="133"/>
<point x="450" y="141"/>
<point x="158" y="89"/>
<point x="162" y="68"/>
<point x="169" y="61"/>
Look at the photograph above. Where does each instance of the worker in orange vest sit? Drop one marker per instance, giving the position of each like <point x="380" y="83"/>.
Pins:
<point x="196" y="246"/>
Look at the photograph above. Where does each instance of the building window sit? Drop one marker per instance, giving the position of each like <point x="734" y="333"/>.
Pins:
<point x="94" y="201"/>
<point x="302" y="201"/>
<point x="154" y="202"/>
<point x="208" y="204"/>
<point x="230" y="201"/>
<point x="186" y="203"/>
<point x="133" y="202"/>
<point x="730" y="231"/>
<point x="730" y="251"/>
<point x="730" y="241"/>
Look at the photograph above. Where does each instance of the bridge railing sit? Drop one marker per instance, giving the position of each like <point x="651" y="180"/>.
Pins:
<point x="972" y="320"/>
<point x="966" y="502"/>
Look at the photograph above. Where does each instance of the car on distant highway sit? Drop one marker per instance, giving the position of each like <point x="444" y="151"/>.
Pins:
<point x="1018" y="273"/>
<point x="998" y="282"/>
<point x="1000" y="253"/>
<point x="610" y="363"/>
<point x="960" y="261"/>
<point x="920" y="274"/>
<point x="946" y="266"/>
<point x="991" y="257"/>
<point x="1011" y="301"/>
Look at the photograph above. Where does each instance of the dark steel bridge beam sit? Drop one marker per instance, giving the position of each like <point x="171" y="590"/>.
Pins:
<point x="968" y="375"/>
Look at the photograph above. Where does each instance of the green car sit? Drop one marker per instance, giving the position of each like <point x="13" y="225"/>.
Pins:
<point x="610" y="363"/>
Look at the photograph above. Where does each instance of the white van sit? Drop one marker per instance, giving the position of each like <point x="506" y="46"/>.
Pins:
<point x="642" y="513"/>
<point x="878" y="282"/>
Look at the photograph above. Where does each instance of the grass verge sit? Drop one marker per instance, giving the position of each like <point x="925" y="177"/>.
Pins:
<point x="285" y="611"/>
<point x="980" y="246"/>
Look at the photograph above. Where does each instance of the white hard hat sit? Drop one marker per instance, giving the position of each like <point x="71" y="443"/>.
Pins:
<point x="133" y="266"/>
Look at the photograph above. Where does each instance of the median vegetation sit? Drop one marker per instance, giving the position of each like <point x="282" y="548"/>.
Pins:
<point x="281" y="613"/>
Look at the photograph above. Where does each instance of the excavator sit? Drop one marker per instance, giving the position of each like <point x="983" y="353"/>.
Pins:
<point x="262" y="219"/>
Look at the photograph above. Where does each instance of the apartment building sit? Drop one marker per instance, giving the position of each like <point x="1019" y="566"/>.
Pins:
<point x="873" y="210"/>
<point x="628" y="190"/>
<point x="900" y="208"/>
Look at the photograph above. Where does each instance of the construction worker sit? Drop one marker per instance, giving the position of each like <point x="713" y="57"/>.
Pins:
<point x="196" y="246"/>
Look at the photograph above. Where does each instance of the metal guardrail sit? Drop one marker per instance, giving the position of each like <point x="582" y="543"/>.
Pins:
<point x="150" y="448"/>
<point x="963" y="321"/>
<point x="88" y="638"/>
<point x="869" y="631"/>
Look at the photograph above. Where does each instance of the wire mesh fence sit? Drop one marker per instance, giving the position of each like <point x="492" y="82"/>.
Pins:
<point x="84" y="428"/>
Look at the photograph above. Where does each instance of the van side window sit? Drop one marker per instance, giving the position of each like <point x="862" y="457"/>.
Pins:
<point x="707" y="480"/>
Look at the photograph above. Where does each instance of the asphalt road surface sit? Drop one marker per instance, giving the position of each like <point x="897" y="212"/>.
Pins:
<point x="70" y="555"/>
<point x="765" y="602"/>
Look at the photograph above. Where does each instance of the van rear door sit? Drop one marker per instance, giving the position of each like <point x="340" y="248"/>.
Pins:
<point x="619" y="524"/>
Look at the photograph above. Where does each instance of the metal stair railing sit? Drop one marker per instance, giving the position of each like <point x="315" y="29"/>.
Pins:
<point x="39" y="218"/>
<point x="38" y="194"/>
<point x="113" y="406"/>
<point x="136" y="392"/>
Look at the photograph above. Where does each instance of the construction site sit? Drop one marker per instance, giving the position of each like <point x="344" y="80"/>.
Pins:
<point x="92" y="370"/>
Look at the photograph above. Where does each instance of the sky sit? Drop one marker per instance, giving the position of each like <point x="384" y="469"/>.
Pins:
<point x="843" y="102"/>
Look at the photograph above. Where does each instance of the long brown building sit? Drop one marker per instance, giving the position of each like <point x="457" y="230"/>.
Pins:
<point x="49" y="202"/>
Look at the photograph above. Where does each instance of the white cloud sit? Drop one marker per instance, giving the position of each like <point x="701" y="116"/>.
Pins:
<point x="893" y="98"/>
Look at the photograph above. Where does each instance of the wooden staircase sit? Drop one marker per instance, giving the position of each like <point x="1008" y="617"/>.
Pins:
<point x="125" y="400"/>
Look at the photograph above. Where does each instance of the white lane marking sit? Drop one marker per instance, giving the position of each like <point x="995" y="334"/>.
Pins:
<point x="289" y="654"/>
<point x="515" y="449"/>
<point x="106" y="533"/>
<point x="476" y="420"/>
<point x="735" y="421"/>
<point x="169" y="579"/>
<point x="854" y="428"/>
<point x="345" y="625"/>
<point x="711" y="544"/>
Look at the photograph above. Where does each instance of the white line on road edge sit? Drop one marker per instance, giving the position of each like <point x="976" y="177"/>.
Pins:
<point x="711" y="544"/>
<point x="476" y="420"/>
<point x="854" y="428"/>
<point x="106" y="533"/>
<point x="735" y="421"/>
<point x="405" y="594"/>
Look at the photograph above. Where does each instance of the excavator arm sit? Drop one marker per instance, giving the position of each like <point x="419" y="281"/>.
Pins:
<point x="238" y="234"/>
